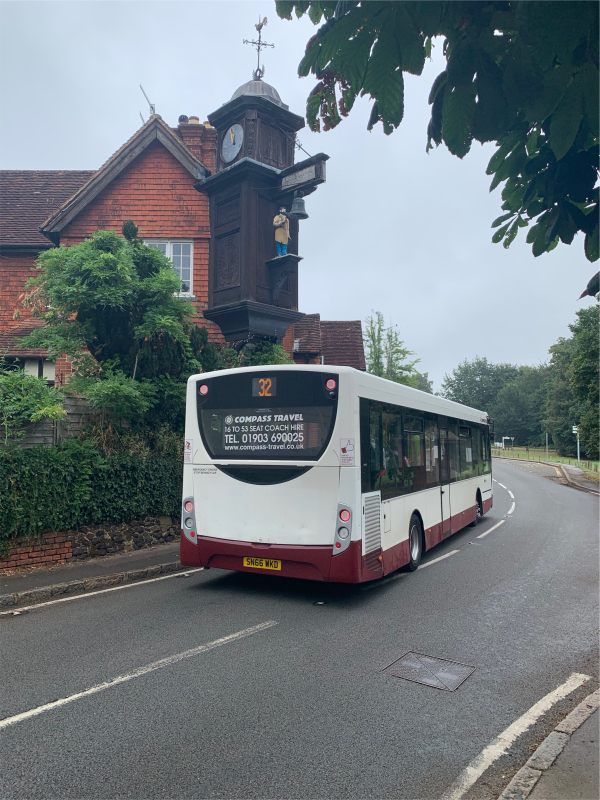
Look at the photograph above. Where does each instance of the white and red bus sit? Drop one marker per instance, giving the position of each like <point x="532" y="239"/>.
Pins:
<point x="325" y="473"/>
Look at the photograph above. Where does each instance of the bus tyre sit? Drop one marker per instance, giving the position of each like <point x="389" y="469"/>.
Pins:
<point x="478" y="511"/>
<point x="415" y="542"/>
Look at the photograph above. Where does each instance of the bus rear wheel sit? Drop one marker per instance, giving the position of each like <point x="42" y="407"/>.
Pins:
<point x="478" y="511"/>
<point x="415" y="543"/>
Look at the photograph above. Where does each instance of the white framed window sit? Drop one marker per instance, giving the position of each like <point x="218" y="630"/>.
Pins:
<point x="40" y="368"/>
<point x="181" y="254"/>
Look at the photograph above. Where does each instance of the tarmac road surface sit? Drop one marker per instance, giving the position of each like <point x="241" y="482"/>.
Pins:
<point x="224" y="685"/>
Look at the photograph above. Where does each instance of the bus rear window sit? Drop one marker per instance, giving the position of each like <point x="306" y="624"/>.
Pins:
<point x="267" y="416"/>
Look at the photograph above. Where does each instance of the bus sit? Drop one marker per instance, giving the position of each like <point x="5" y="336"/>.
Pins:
<point x="325" y="472"/>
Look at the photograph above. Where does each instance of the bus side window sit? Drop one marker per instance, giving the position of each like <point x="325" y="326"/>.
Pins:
<point x="452" y="450"/>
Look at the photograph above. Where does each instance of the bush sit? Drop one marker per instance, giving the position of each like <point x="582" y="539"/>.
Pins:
<point x="25" y="399"/>
<point x="66" y="487"/>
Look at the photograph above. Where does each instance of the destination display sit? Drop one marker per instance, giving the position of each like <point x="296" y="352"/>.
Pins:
<point x="273" y="433"/>
<point x="268" y="415"/>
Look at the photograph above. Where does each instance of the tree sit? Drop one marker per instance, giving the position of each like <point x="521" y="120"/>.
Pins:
<point x="585" y="377"/>
<point x="114" y="298"/>
<point x="518" y="73"/>
<point x="573" y="386"/>
<point x="387" y="356"/>
<point x="477" y="383"/>
<point x="561" y="403"/>
<point x="518" y="409"/>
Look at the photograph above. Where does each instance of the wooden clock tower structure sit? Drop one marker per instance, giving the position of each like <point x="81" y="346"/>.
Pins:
<point x="252" y="292"/>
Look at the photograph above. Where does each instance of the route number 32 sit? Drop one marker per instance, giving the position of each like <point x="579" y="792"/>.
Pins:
<point x="265" y="385"/>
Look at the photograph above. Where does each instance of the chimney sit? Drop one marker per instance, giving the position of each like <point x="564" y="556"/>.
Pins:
<point x="199" y="139"/>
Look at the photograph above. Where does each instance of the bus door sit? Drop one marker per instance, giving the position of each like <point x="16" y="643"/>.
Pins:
<point x="444" y="477"/>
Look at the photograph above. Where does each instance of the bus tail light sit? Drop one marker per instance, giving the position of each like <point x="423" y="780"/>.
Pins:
<point x="188" y="520"/>
<point x="343" y="530"/>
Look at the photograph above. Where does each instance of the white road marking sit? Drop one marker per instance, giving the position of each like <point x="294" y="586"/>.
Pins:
<point x="503" y="742"/>
<point x="138" y="673"/>
<point x="502" y="485"/>
<point x="440" y="558"/>
<point x="511" y="495"/>
<point x="511" y="509"/>
<point x="493" y="528"/>
<point x="17" y="611"/>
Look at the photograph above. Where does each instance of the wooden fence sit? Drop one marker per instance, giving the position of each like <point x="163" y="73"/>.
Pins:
<point x="50" y="432"/>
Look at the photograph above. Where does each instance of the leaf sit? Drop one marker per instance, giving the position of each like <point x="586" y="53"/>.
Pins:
<point x="591" y="245"/>
<point x="384" y="80"/>
<point x="410" y="42"/>
<point x="315" y="12"/>
<point x="498" y="235"/>
<point x="436" y="86"/>
<point x="514" y="228"/>
<point x="500" y="154"/>
<point x="459" y="106"/>
<point x="502" y="218"/>
<point x="565" y="121"/>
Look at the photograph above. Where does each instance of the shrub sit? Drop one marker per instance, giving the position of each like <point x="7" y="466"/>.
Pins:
<point x="66" y="487"/>
<point x="25" y="399"/>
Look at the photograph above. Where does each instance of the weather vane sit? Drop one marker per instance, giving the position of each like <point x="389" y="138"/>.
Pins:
<point x="259" y="71"/>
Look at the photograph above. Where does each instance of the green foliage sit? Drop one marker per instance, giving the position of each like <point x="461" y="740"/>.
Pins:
<point x="518" y="409"/>
<point x="528" y="402"/>
<point x="117" y="299"/>
<point x="25" y="399"/>
<point x="561" y="404"/>
<point x="521" y="74"/>
<point x="262" y="350"/>
<point x="477" y="383"/>
<point x="61" y="488"/>
<point x="574" y="386"/>
<point x="585" y="377"/>
<point x="119" y="397"/>
<point x="387" y="356"/>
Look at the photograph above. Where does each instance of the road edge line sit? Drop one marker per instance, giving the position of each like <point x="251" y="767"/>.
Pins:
<point x="60" y="590"/>
<point x="549" y="750"/>
<point x="501" y="744"/>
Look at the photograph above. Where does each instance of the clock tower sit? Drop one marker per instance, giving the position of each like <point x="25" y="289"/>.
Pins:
<point x="252" y="292"/>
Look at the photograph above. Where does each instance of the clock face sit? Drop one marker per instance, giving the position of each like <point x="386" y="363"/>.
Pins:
<point x="232" y="143"/>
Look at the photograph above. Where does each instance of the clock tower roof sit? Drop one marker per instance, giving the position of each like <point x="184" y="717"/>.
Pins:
<point x="259" y="88"/>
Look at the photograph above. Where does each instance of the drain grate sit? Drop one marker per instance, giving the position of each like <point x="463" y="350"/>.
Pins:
<point x="436" y="672"/>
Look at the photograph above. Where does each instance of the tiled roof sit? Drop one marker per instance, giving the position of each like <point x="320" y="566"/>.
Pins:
<point x="342" y="343"/>
<point x="308" y="333"/>
<point x="27" y="197"/>
<point x="10" y="345"/>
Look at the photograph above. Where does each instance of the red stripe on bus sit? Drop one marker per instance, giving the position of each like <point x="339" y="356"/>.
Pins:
<point x="316" y="562"/>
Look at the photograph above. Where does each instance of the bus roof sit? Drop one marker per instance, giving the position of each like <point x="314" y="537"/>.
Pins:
<point x="370" y="387"/>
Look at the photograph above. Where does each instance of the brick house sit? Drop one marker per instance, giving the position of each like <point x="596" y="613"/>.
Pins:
<point x="150" y="180"/>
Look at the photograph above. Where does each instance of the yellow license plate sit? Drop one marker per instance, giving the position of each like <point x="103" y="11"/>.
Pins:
<point x="262" y="563"/>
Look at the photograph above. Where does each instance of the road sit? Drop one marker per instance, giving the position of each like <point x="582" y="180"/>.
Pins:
<point x="297" y="703"/>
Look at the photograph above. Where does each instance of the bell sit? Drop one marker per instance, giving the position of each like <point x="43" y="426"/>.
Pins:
<point x="298" y="211"/>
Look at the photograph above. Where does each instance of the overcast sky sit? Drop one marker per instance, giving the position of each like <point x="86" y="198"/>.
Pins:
<point x="392" y="230"/>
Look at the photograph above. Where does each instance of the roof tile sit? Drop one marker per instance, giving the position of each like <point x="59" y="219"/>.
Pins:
<point x="28" y="197"/>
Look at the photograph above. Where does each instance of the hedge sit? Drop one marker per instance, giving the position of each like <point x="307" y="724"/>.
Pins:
<point x="65" y="487"/>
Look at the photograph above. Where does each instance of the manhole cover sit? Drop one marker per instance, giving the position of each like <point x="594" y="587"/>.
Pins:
<point x="436" y="672"/>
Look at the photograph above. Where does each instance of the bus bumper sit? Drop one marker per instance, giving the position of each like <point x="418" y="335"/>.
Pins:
<point x="308" y="562"/>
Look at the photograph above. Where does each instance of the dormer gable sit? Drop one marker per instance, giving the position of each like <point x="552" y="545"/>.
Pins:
<point x="155" y="130"/>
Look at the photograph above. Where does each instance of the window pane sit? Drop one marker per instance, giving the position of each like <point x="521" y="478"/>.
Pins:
<point x="431" y="453"/>
<point x="466" y="452"/>
<point x="392" y="478"/>
<point x="452" y="450"/>
<point x="157" y="245"/>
